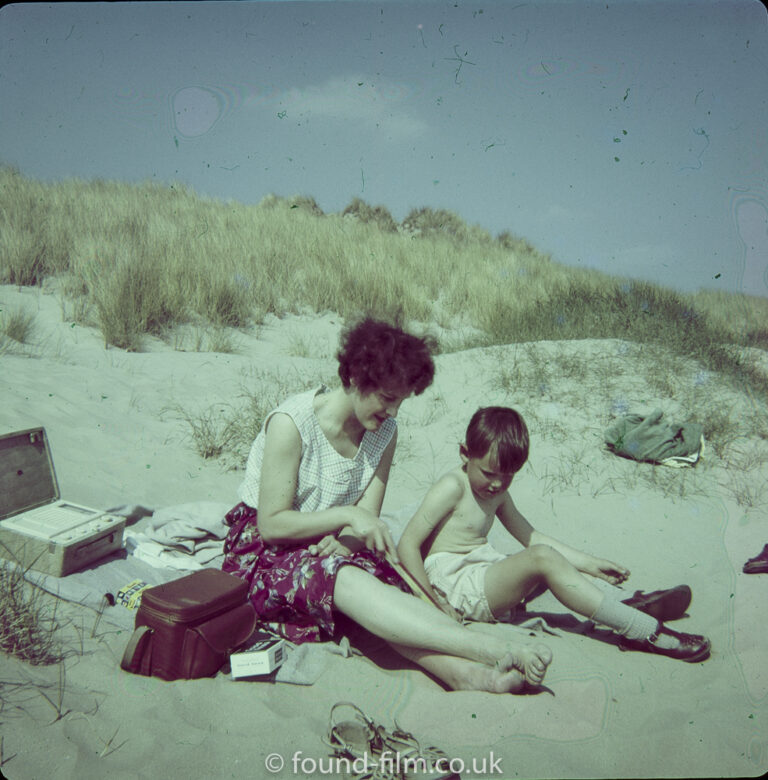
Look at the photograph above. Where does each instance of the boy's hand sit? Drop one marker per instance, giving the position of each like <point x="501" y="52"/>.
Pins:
<point x="608" y="571"/>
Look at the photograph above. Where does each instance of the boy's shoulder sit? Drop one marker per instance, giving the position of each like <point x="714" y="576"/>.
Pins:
<point x="451" y="485"/>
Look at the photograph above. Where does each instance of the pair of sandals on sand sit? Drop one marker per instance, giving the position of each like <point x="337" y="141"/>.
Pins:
<point x="372" y="752"/>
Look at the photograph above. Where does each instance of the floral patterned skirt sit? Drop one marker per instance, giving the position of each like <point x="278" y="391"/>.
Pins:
<point x="287" y="584"/>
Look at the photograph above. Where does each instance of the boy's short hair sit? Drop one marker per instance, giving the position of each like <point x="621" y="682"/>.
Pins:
<point x="501" y="431"/>
<point x="380" y="356"/>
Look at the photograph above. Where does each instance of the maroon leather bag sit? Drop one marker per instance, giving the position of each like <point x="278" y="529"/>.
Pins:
<point x="188" y="627"/>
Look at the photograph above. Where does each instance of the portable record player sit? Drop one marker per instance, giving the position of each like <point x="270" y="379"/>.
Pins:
<point x="38" y="530"/>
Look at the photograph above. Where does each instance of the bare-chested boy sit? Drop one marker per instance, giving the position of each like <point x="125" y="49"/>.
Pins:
<point x="445" y="549"/>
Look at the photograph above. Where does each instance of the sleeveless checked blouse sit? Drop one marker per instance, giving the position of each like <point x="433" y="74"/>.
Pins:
<point x="325" y="478"/>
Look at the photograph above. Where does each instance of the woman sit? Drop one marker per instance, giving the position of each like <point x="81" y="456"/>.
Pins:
<point x="317" y="472"/>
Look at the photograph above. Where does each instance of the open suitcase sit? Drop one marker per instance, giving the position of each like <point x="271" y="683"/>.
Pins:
<point x="187" y="628"/>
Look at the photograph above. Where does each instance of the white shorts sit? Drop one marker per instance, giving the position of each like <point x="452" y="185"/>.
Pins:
<point x="459" y="580"/>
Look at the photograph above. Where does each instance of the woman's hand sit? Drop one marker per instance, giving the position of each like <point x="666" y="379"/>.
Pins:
<point x="606" y="570"/>
<point x="328" y="545"/>
<point x="372" y="531"/>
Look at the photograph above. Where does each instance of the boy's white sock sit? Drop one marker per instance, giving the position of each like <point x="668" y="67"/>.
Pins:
<point x="627" y="621"/>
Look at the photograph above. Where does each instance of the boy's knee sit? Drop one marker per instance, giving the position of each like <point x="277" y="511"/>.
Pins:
<point x="544" y="556"/>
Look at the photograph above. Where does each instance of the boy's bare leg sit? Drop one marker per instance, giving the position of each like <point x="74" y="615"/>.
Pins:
<point x="402" y="619"/>
<point x="509" y="581"/>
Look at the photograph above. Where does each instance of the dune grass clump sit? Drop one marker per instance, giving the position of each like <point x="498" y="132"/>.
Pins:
<point x="17" y="325"/>
<point x="426" y="222"/>
<point x="520" y="246"/>
<point x="635" y="311"/>
<point x="756" y="337"/>
<point x="227" y="431"/>
<point x="379" y="215"/>
<point x="131" y="298"/>
<point x="305" y="203"/>
<point x="31" y="247"/>
<point x="28" y="625"/>
<point x="581" y="308"/>
<point x="202" y="337"/>
<point x="213" y="430"/>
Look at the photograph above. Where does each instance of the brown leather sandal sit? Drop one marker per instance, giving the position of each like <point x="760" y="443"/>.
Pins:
<point x="691" y="648"/>
<point x="758" y="564"/>
<point x="380" y="754"/>
<point x="669" y="604"/>
<point x="355" y="738"/>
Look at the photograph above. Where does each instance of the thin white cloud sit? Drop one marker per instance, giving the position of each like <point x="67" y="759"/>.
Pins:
<point x="373" y="102"/>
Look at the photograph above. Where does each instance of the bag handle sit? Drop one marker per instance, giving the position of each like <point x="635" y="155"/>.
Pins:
<point x="136" y="659"/>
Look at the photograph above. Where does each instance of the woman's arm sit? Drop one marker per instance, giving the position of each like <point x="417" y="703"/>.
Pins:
<point x="278" y="522"/>
<point x="373" y="495"/>
<point x="371" y="501"/>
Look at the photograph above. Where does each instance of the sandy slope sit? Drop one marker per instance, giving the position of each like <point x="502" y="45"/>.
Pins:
<point x="607" y="713"/>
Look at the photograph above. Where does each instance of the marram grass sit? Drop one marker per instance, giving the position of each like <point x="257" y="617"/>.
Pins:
<point x="142" y="259"/>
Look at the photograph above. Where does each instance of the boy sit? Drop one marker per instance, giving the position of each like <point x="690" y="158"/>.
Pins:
<point x="468" y="578"/>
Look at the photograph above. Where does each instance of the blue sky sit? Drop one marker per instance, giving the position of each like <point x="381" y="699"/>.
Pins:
<point x="626" y="136"/>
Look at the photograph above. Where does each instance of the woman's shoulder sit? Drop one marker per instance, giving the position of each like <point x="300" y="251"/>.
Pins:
<point x="300" y="405"/>
<point x="300" y="409"/>
<point x="283" y="427"/>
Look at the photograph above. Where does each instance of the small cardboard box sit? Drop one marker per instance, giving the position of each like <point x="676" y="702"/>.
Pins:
<point x="262" y="656"/>
<point x="37" y="529"/>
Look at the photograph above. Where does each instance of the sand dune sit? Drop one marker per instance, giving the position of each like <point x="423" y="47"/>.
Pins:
<point x="117" y="440"/>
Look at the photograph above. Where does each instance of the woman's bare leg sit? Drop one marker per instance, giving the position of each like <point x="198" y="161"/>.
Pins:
<point x="402" y="619"/>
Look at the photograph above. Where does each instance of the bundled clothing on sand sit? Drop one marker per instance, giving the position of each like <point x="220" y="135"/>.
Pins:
<point x="651" y="439"/>
<point x="290" y="586"/>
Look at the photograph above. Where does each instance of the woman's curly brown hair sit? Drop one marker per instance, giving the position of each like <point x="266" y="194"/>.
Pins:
<point x="377" y="355"/>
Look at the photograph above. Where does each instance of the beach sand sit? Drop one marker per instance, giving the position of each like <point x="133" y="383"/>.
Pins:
<point x="603" y="713"/>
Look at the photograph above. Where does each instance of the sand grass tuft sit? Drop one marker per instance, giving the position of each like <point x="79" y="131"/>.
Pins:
<point x="28" y="625"/>
<point x="18" y="325"/>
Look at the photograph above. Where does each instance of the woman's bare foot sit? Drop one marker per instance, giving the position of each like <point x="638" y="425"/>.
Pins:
<point x="479" y="677"/>
<point x="461" y="674"/>
<point x="531" y="661"/>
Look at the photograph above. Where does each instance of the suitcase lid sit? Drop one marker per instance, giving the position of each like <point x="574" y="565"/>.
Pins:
<point x="27" y="478"/>
<point x="195" y="596"/>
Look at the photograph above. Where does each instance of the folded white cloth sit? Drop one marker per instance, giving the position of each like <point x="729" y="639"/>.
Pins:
<point x="203" y="515"/>
<point x="185" y="537"/>
<point x="142" y="547"/>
